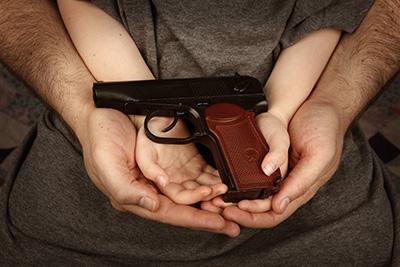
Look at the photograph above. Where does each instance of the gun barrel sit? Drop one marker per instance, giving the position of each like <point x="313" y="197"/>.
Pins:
<point x="244" y="91"/>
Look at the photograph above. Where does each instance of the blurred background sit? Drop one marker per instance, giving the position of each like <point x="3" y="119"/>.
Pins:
<point x="20" y="108"/>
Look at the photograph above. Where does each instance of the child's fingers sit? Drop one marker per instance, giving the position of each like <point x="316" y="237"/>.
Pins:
<point x="214" y="182"/>
<point x="191" y="191"/>
<point x="181" y="195"/>
<point x="220" y="203"/>
<point x="217" y="190"/>
<point x="256" y="206"/>
<point x="208" y="179"/>
<point x="275" y="158"/>
<point x="188" y="193"/>
<point x="278" y="141"/>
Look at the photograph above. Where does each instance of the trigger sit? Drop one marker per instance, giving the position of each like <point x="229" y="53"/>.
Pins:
<point x="173" y="123"/>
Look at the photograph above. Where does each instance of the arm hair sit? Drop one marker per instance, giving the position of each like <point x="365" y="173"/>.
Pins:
<point x="36" y="46"/>
<point x="363" y="62"/>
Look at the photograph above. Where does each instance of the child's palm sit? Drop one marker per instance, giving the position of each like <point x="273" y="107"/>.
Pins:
<point x="189" y="178"/>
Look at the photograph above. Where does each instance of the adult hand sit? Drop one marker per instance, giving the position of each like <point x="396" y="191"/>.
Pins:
<point x="108" y="141"/>
<point x="316" y="133"/>
<point x="179" y="171"/>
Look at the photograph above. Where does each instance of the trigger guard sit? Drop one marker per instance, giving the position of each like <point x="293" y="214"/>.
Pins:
<point x="166" y="140"/>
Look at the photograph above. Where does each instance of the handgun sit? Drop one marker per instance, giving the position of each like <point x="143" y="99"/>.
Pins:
<point x="220" y="111"/>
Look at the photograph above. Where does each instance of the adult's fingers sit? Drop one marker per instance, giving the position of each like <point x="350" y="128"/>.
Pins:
<point x="187" y="216"/>
<point x="267" y="219"/>
<point x="209" y="206"/>
<point x="231" y="229"/>
<point x="123" y="185"/>
<point x="300" y="179"/>
<point x="270" y="218"/>
<point x="248" y="219"/>
<point x="256" y="205"/>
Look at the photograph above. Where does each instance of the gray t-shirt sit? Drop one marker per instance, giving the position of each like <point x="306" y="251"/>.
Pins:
<point x="212" y="38"/>
<point x="52" y="212"/>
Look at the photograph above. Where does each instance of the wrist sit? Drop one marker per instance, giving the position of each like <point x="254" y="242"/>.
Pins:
<point x="340" y="117"/>
<point x="77" y="117"/>
<point x="281" y="115"/>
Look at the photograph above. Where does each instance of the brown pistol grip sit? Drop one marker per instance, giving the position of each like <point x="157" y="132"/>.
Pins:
<point x="242" y="145"/>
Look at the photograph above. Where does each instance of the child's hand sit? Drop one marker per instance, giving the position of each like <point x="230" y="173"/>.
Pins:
<point x="179" y="171"/>
<point x="276" y="135"/>
<point x="275" y="132"/>
<point x="277" y="138"/>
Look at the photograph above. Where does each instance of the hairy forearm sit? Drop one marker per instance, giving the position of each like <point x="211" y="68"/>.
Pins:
<point x="35" y="45"/>
<point x="363" y="62"/>
<point x="297" y="70"/>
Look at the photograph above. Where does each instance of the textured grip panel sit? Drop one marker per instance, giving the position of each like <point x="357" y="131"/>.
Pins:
<point x="243" y="146"/>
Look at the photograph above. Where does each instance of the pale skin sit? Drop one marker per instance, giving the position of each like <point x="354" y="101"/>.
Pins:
<point x="344" y="89"/>
<point x="291" y="81"/>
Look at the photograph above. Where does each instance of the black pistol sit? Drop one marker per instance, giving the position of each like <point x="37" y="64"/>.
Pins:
<point x="220" y="111"/>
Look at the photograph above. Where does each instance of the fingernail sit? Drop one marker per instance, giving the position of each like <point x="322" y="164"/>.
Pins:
<point x="147" y="203"/>
<point x="162" y="180"/>
<point x="284" y="203"/>
<point x="269" y="169"/>
<point x="221" y="191"/>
